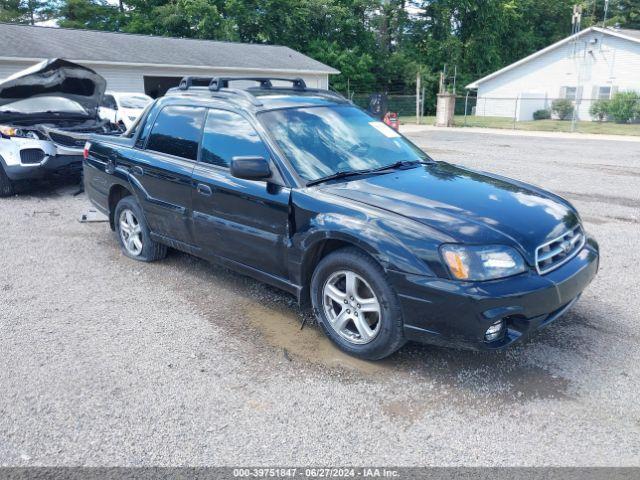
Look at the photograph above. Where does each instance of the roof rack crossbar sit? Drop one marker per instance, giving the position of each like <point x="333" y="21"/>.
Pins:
<point x="265" y="82"/>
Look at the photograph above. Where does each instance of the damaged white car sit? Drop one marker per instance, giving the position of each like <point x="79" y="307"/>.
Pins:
<point x="47" y="113"/>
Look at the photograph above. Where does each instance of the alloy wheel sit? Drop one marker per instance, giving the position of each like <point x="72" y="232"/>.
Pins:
<point x="351" y="306"/>
<point x="130" y="232"/>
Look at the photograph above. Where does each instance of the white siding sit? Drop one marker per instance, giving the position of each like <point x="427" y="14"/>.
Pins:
<point x="130" y="78"/>
<point x="611" y="61"/>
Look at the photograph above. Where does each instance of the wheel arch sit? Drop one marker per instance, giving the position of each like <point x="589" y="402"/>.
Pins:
<point x="319" y="248"/>
<point x="116" y="193"/>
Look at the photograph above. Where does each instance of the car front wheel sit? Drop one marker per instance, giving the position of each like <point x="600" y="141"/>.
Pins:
<point x="133" y="232"/>
<point x="356" y="306"/>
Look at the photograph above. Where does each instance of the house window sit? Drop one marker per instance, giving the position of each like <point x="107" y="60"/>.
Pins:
<point x="570" y="92"/>
<point x="604" y="93"/>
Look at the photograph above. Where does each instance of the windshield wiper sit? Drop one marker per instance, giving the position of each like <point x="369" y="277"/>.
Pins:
<point x="351" y="173"/>
<point x="335" y="176"/>
<point x="400" y="164"/>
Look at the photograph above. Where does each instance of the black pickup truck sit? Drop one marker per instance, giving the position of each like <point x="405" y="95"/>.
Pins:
<point x="303" y="190"/>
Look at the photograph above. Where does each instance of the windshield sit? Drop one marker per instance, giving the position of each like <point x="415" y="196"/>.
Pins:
<point x="134" y="101"/>
<point x="44" y="105"/>
<point x="321" y="141"/>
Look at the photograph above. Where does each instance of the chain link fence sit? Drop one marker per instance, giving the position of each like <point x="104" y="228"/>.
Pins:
<point x="403" y="105"/>
<point x="620" y="114"/>
<point x="617" y="115"/>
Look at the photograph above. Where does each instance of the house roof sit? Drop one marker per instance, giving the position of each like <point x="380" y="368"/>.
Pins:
<point x="90" y="46"/>
<point x="633" y="35"/>
<point x="629" y="33"/>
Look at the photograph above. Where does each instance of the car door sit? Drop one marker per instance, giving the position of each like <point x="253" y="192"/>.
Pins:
<point x="242" y="220"/>
<point x="162" y="170"/>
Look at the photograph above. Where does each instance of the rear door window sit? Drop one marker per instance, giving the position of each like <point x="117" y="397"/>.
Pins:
<point x="227" y="135"/>
<point x="176" y="131"/>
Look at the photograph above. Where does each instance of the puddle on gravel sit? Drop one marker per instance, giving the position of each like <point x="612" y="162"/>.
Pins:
<point x="281" y="329"/>
<point x="476" y="377"/>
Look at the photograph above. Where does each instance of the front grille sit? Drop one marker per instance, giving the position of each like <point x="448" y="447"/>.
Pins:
<point x="551" y="255"/>
<point x="67" y="140"/>
<point x="31" y="156"/>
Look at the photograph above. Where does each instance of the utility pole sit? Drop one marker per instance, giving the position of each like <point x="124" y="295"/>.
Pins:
<point x="418" y="97"/>
<point x="576" y="21"/>
<point x="606" y="10"/>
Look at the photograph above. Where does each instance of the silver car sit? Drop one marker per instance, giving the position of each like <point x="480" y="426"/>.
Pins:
<point x="47" y="113"/>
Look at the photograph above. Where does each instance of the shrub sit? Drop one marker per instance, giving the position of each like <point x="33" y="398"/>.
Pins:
<point x="562" y="108"/>
<point x="624" y="106"/>
<point x="543" y="114"/>
<point x="599" y="109"/>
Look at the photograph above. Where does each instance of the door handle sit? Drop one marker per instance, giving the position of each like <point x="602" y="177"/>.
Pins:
<point x="204" y="190"/>
<point x="137" y="170"/>
<point x="111" y="164"/>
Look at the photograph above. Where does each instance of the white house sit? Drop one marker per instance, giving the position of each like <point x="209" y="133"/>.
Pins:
<point x="149" y="64"/>
<point x="592" y="64"/>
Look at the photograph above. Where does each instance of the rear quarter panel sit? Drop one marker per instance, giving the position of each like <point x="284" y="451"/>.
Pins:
<point x="98" y="179"/>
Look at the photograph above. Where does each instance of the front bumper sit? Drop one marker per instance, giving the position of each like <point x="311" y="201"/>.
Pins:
<point x="445" y="312"/>
<point x="56" y="160"/>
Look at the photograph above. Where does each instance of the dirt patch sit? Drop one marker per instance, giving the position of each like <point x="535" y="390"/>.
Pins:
<point x="280" y="328"/>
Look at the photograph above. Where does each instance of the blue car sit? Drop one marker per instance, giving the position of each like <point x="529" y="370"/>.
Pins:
<point x="301" y="189"/>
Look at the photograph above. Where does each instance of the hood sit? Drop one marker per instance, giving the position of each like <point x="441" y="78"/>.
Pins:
<point x="55" y="77"/>
<point x="471" y="207"/>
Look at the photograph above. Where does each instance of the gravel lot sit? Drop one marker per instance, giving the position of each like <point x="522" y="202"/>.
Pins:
<point x="105" y="361"/>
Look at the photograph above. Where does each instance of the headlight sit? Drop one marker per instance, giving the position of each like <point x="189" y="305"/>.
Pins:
<point x="477" y="263"/>
<point x="9" y="131"/>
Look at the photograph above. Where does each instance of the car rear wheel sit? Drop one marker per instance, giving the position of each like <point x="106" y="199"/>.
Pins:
<point x="133" y="232"/>
<point x="356" y="306"/>
<point x="6" y="187"/>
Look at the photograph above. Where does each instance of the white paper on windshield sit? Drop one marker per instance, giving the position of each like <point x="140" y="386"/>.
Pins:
<point x="385" y="129"/>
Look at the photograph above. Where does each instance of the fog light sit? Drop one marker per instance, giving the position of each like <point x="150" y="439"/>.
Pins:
<point x="495" y="331"/>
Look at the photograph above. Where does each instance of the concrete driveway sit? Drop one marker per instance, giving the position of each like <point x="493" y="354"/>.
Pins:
<point x="105" y="361"/>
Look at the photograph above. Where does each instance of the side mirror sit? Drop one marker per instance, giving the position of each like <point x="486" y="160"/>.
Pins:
<point x="250" y="168"/>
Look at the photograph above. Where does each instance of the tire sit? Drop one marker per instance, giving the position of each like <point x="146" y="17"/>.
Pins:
<point x="385" y="332"/>
<point x="129" y="221"/>
<point x="6" y="187"/>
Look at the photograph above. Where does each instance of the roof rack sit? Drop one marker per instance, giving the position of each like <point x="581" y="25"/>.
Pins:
<point x="221" y="85"/>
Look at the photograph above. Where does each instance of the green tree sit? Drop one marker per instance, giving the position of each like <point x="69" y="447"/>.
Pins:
<point x="179" y="18"/>
<point x="626" y="13"/>
<point x="26" y="11"/>
<point x="90" y="14"/>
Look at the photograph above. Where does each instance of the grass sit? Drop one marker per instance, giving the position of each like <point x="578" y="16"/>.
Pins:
<point x="608" y="128"/>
